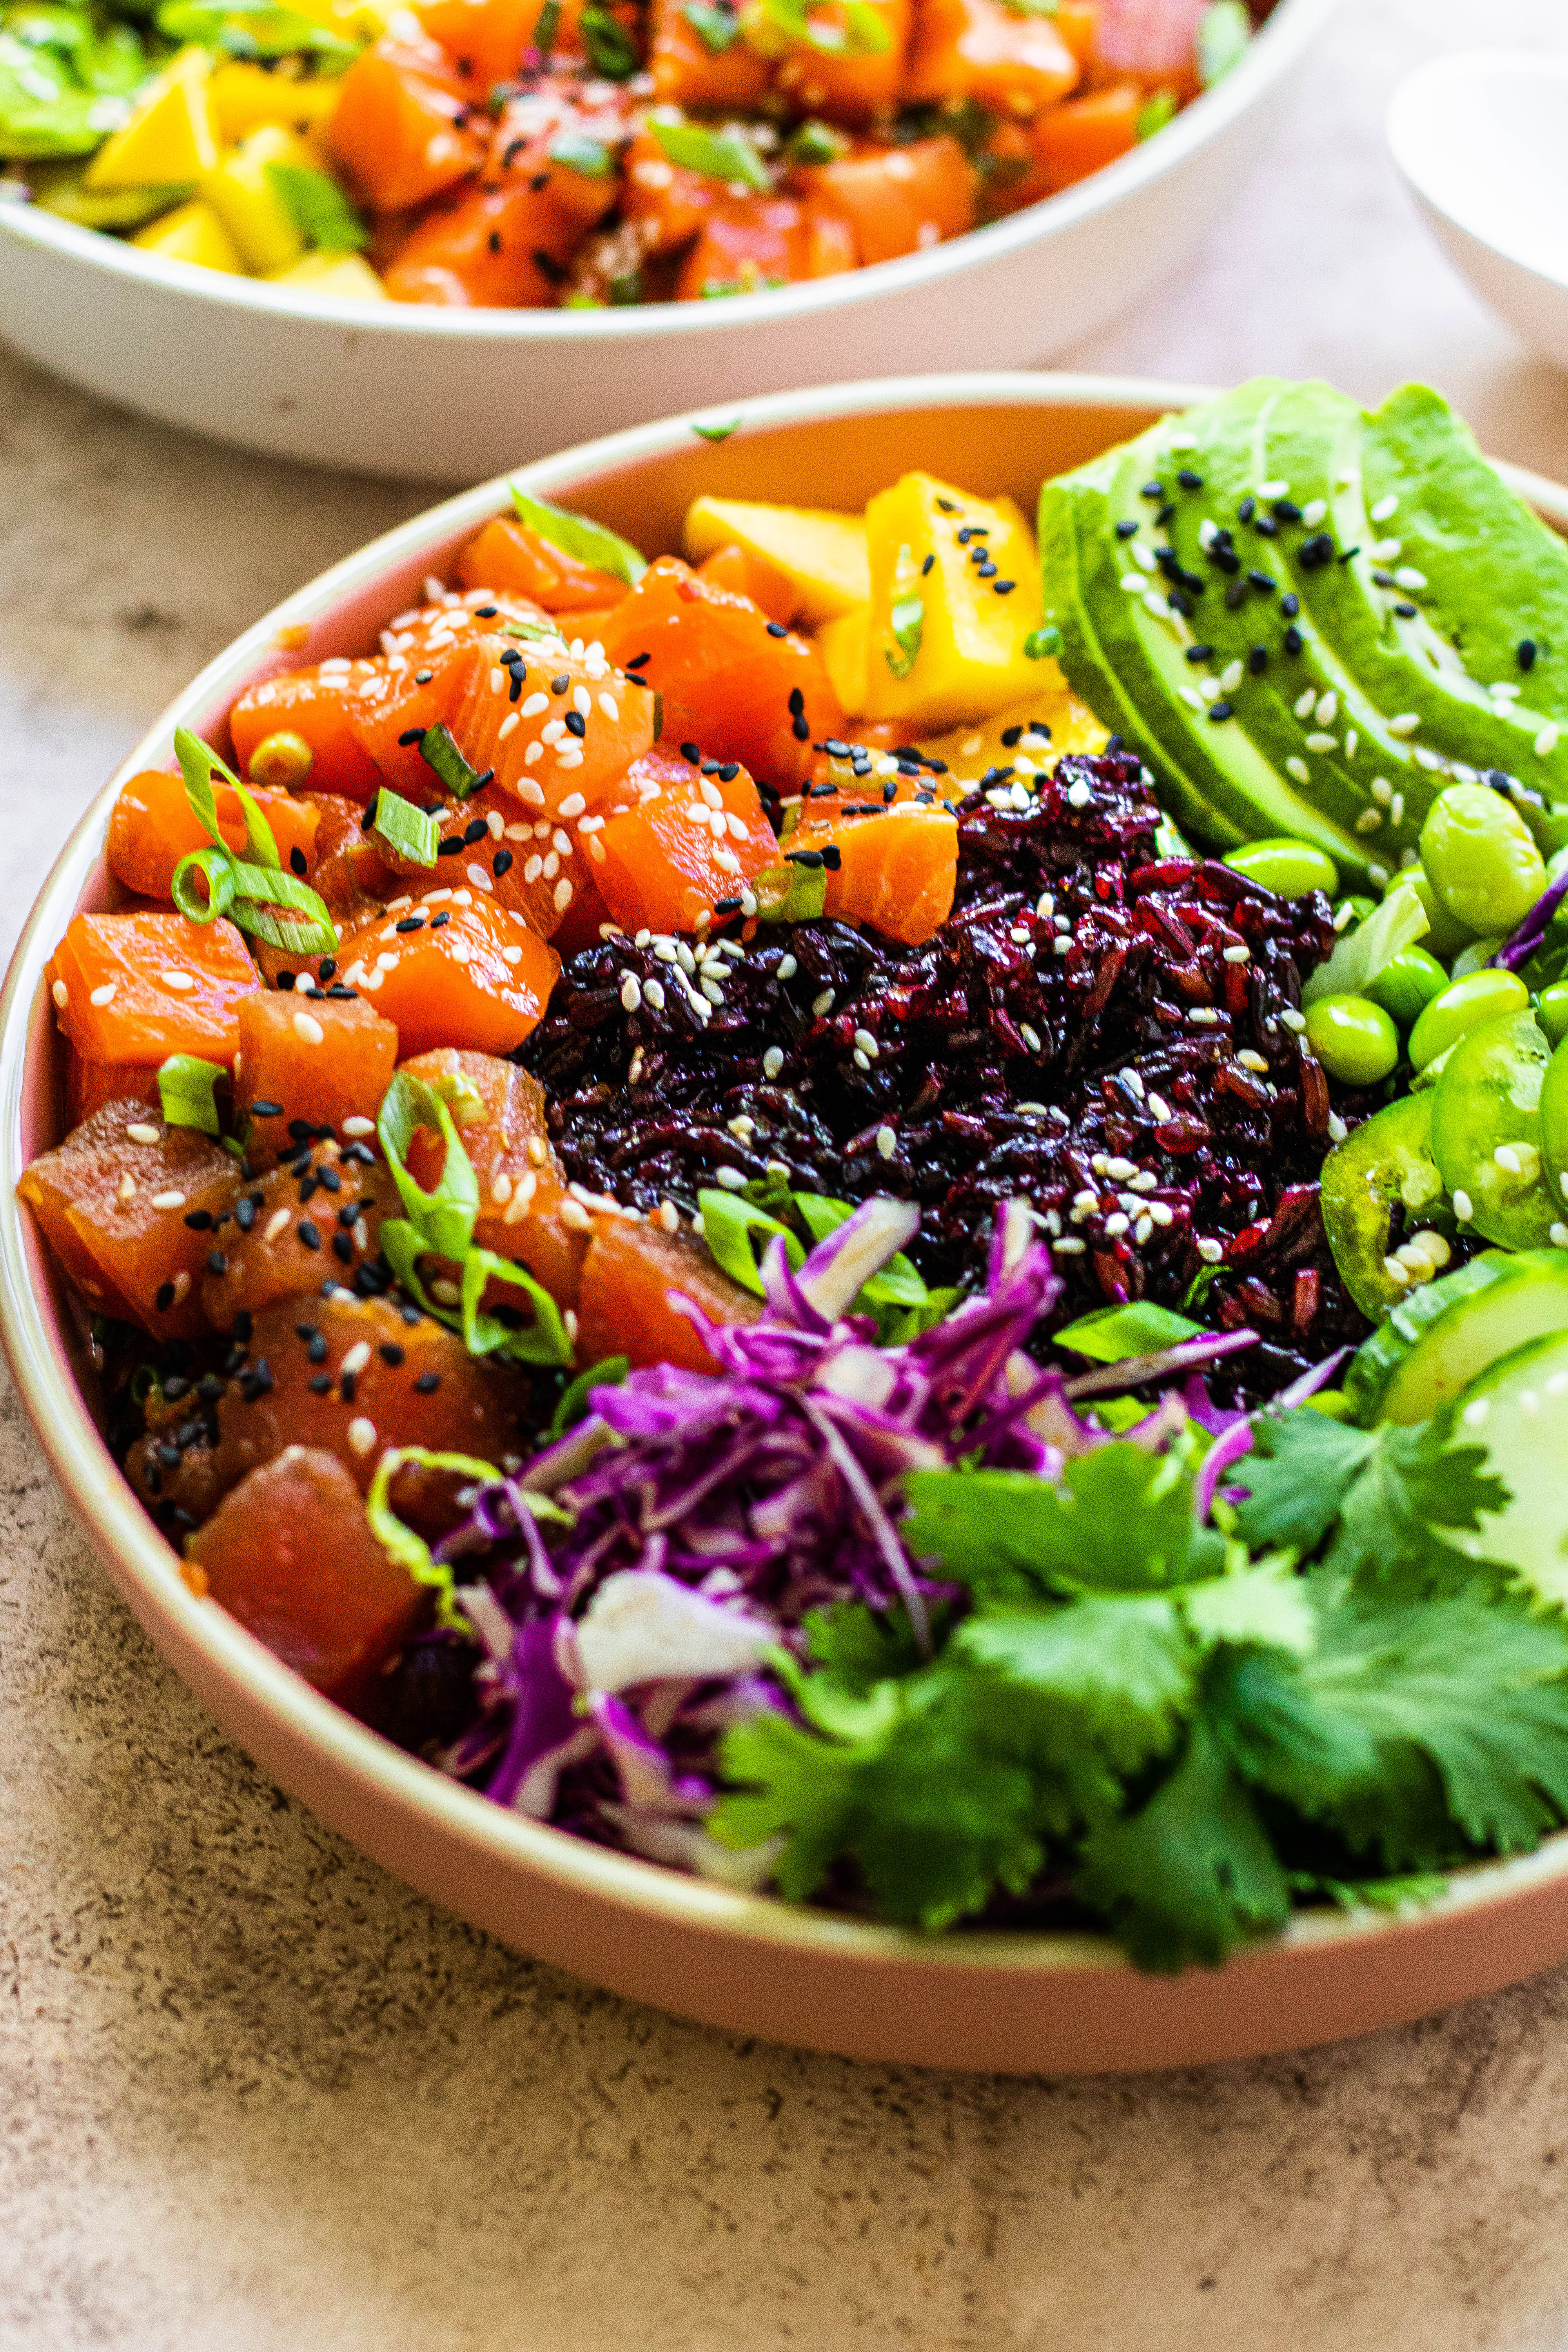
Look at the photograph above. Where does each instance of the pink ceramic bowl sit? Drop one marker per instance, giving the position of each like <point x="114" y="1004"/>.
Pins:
<point x="1014" y="2002"/>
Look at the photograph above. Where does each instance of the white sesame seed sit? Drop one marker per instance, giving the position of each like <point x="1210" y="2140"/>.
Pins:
<point x="1291" y="1018"/>
<point x="1160" y="1108"/>
<point x="563" y="894"/>
<point x="361" y="1433"/>
<point x="1116" y="1224"/>
<point x="355" y="1358"/>
<point x="1250" y="1060"/>
<point x="822" y="1005"/>
<point x="1507" y="1159"/>
<point x="1385" y="507"/>
<point x="1068" y="1246"/>
<point x="1464" y="1208"/>
<point x="653" y="994"/>
<point x="867" y="1043"/>
<point x="1238" y="955"/>
<point x="1396" y="1273"/>
<point x="1132" y="584"/>
<point x="1368" y="821"/>
<point x="1202" y="1016"/>
<point x="1477" y="1413"/>
<point x="1030" y="1035"/>
<point x="1230" y="677"/>
<point x="730" y="1179"/>
<point x="1338" y="1130"/>
<point x="1408" y="577"/>
<point x="168" y="1200"/>
<point x="610" y="707"/>
<point x="1306" y="703"/>
<point x="308" y="1029"/>
<point x="104" y="995"/>
<point x="631" y="993"/>
<point x="127" y="1189"/>
<point x="1210" y="1250"/>
<point x="1298" y="769"/>
<point x="1546" y="741"/>
<point x="1320" y="742"/>
<point x="1405" y="723"/>
<point x="275" y="1224"/>
<point x="887" y="1142"/>
<point x="573" y="805"/>
<point x="1162" y="1213"/>
<point x="1313" y="512"/>
<point x="178" y="980"/>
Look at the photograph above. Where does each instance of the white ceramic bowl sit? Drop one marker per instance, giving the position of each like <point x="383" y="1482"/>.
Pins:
<point x="1013" y="2002"/>
<point x="451" y="395"/>
<point x="1482" y="142"/>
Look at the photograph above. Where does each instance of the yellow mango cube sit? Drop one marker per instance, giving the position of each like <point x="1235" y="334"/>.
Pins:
<point x="171" y="140"/>
<point x="821" y="554"/>
<point x="240" y="191"/>
<point x="192" y="232"/>
<point x="955" y="595"/>
<point x="345" y="276"/>
<point x="1030" y="735"/>
<point x="246" y="96"/>
<point x="842" y="645"/>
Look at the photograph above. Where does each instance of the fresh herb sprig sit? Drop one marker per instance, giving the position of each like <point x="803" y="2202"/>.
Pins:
<point x="253" y="891"/>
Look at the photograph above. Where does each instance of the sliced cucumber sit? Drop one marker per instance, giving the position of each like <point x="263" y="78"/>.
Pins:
<point x="1519" y="1411"/>
<point x="1382" y="1358"/>
<point x="1489" y="1100"/>
<point x="1388" y="1158"/>
<point x="1526" y="1299"/>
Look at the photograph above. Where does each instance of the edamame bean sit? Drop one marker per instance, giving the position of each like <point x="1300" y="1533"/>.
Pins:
<point x="1464" y="1005"/>
<point x="1285" y="866"/>
<point x="1353" y="1038"/>
<point x="1444" y="937"/>
<point x="281" y="762"/>
<point x="1481" y="858"/>
<point x="1551" y="1010"/>
<point x="1407" y="983"/>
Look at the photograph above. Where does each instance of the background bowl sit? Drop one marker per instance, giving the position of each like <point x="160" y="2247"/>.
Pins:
<point x="447" y="395"/>
<point x="1012" y="2002"/>
<point x="1482" y="139"/>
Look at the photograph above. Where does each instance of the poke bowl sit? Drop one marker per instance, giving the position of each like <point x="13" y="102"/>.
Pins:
<point x="329" y="1475"/>
<point x="226" y="316"/>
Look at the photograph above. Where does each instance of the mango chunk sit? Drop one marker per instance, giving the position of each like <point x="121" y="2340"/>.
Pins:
<point x="955" y="593"/>
<point x="1030" y="735"/>
<point x="240" y="190"/>
<point x="192" y="232"/>
<point x="171" y="140"/>
<point x="246" y="96"/>
<point x="344" y="277"/>
<point x="842" y="645"/>
<point x="821" y="554"/>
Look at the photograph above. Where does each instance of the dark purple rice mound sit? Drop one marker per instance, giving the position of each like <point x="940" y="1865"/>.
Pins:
<point x="1113" y="1035"/>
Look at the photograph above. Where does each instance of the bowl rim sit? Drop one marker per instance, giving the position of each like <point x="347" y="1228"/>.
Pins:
<point x="1405" y="131"/>
<point x="105" y="1510"/>
<point x="1280" y="44"/>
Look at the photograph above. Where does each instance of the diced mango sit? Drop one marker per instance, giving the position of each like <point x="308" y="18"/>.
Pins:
<point x="246" y="96"/>
<point x="822" y="554"/>
<point x="193" y="232"/>
<point x="344" y="277"/>
<point x="241" y="192"/>
<point x="956" y="592"/>
<point x="842" y="645"/>
<point x="171" y="140"/>
<point x="1052" y="722"/>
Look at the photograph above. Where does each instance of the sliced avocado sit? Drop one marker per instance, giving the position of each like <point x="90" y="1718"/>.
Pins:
<point x="1382" y="1357"/>
<point x="1518" y="1409"/>
<point x="1124" y="648"/>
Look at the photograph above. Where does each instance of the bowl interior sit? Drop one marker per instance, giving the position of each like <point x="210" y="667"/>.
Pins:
<point x="1483" y="137"/>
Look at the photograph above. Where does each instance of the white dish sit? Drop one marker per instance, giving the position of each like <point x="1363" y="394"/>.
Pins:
<point x="1482" y="142"/>
<point x="451" y="395"/>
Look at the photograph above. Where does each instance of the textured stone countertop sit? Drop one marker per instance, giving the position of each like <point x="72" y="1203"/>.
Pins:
<point x="255" y="2096"/>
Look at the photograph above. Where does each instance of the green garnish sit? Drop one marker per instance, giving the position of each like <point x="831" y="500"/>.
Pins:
<point x="862" y="34"/>
<point x="1224" y="31"/>
<point x="896" y="1296"/>
<point x="717" y="27"/>
<point x="440" y="1223"/>
<point x="439" y="750"/>
<point x="907" y="622"/>
<point x="590" y="542"/>
<point x="406" y="830"/>
<point x="1030" y="7"/>
<point x="264" y="31"/>
<point x="318" y="208"/>
<point x="245" y="890"/>
<point x="575" y="152"/>
<point x="1041" y="643"/>
<point x="399" y="1541"/>
<point x="716" y="431"/>
<point x="1111" y="1334"/>
<point x="790" y="894"/>
<point x="548" y="26"/>
<point x="608" y="1373"/>
<point x="1155" y="113"/>
<point x="612" y="50"/>
<point x="815" y="142"/>
<point x="718" y="154"/>
<point x="186" y="1091"/>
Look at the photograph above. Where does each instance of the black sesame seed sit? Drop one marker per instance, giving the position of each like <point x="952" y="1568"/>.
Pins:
<point x="1405" y="611"/>
<point x="301" y="1130"/>
<point x="1294" y="641"/>
<point x="410" y="1313"/>
<point x="347" y="1384"/>
<point x="199" y="1220"/>
<point x="486" y="612"/>
<point x="475" y="832"/>
<point x="559" y="685"/>
<point x="796" y="702"/>
<point x="501" y="863"/>
<point x="1263" y="581"/>
<point x="1287" y="510"/>
<point x="834" y="749"/>
<point x="1002" y="587"/>
<point x="800" y="729"/>
<point x="926" y="566"/>
<point x="390" y="1353"/>
<point x="308" y="1233"/>
<point x="1236" y="595"/>
<point x="775" y="629"/>
<point x="1265" y="527"/>
<point x="690" y="752"/>
<point x="1222" y="709"/>
<point x="1189" y="480"/>
<point x="1290" y="606"/>
<point x="1246" y="509"/>
<point x="576" y="724"/>
<point x="297" y="859"/>
<point x="216" y="1261"/>
<point x="410" y="735"/>
<point x="1198" y="655"/>
<point x="285" y="980"/>
<point x="833" y="857"/>
<point x="428" y="1382"/>
<point x="341" y="996"/>
<point x="638" y="660"/>
<point x="1153" y="491"/>
<point x="321" y="1385"/>
<point x="410" y="923"/>
<point x="163" y="1296"/>
<point x="1127" y="528"/>
<point x="1257" y="660"/>
<point x="259" y="1109"/>
<point x="437" y="921"/>
<point x="1525" y="655"/>
<point x="1011" y="735"/>
<point x="726" y="906"/>
<point x="209" y="1388"/>
<point x="809" y="858"/>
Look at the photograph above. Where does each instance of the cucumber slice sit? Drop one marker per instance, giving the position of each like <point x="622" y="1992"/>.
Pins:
<point x="1388" y="1158"/>
<point x="1382" y="1358"/>
<point x="1555" y="1122"/>
<point x="1526" y="1299"/>
<point x="1487" y="1100"/>
<point x="1519" y="1411"/>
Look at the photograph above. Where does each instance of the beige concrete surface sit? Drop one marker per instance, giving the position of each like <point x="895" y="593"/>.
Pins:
<point x="254" y="2095"/>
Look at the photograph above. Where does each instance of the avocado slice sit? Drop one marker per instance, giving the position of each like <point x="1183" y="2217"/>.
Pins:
<point x="1363" y="582"/>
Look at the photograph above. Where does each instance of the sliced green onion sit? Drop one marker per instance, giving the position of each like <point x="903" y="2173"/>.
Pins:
<point x="575" y="152"/>
<point x="815" y="142"/>
<point x="199" y="763"/>
<point x="444" y="1218"/>
<point x="1030" y="7"/>
<point x="1111" y="1334"/>
<point x="1158" y="110"/>
<point x="543" y="1341"/>
<point x="717" y="27"/>
<point x="318" y="208"/>
<point x="262" y="31"/>
<point x="217" y="867"/>
<point x="185" y="1090"/>
<point x="407" y="832"/>
<point x="716" y="431"/>
<point x="398" y="1541"/>
<point x="729" y="1221"/>
<point x="441" y="756"/>
<point x="575" y="534"/>
<point x="1224" y="31"/>
<point x="907" y="623"/>
<point x="790" y="894"/>
<point x="607" y="1374"/>
<point x="612" y="50"/>
<point x="862" y="34"/>
<point x="548" y="26"/>
<point x="716" y="155"/>
<point x="1040" y="644"/>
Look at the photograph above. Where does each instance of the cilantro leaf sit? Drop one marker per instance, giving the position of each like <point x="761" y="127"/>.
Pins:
<point x="1299" y="1472"/>
<point x="861" y="1647"/>
<point x="1190" y="1874"/>
<point x="1121" y="1520"/>
<point x="1115" y="1674"/>
<point x="930" y="1817"/>
<point x="1411" y="1726"/>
